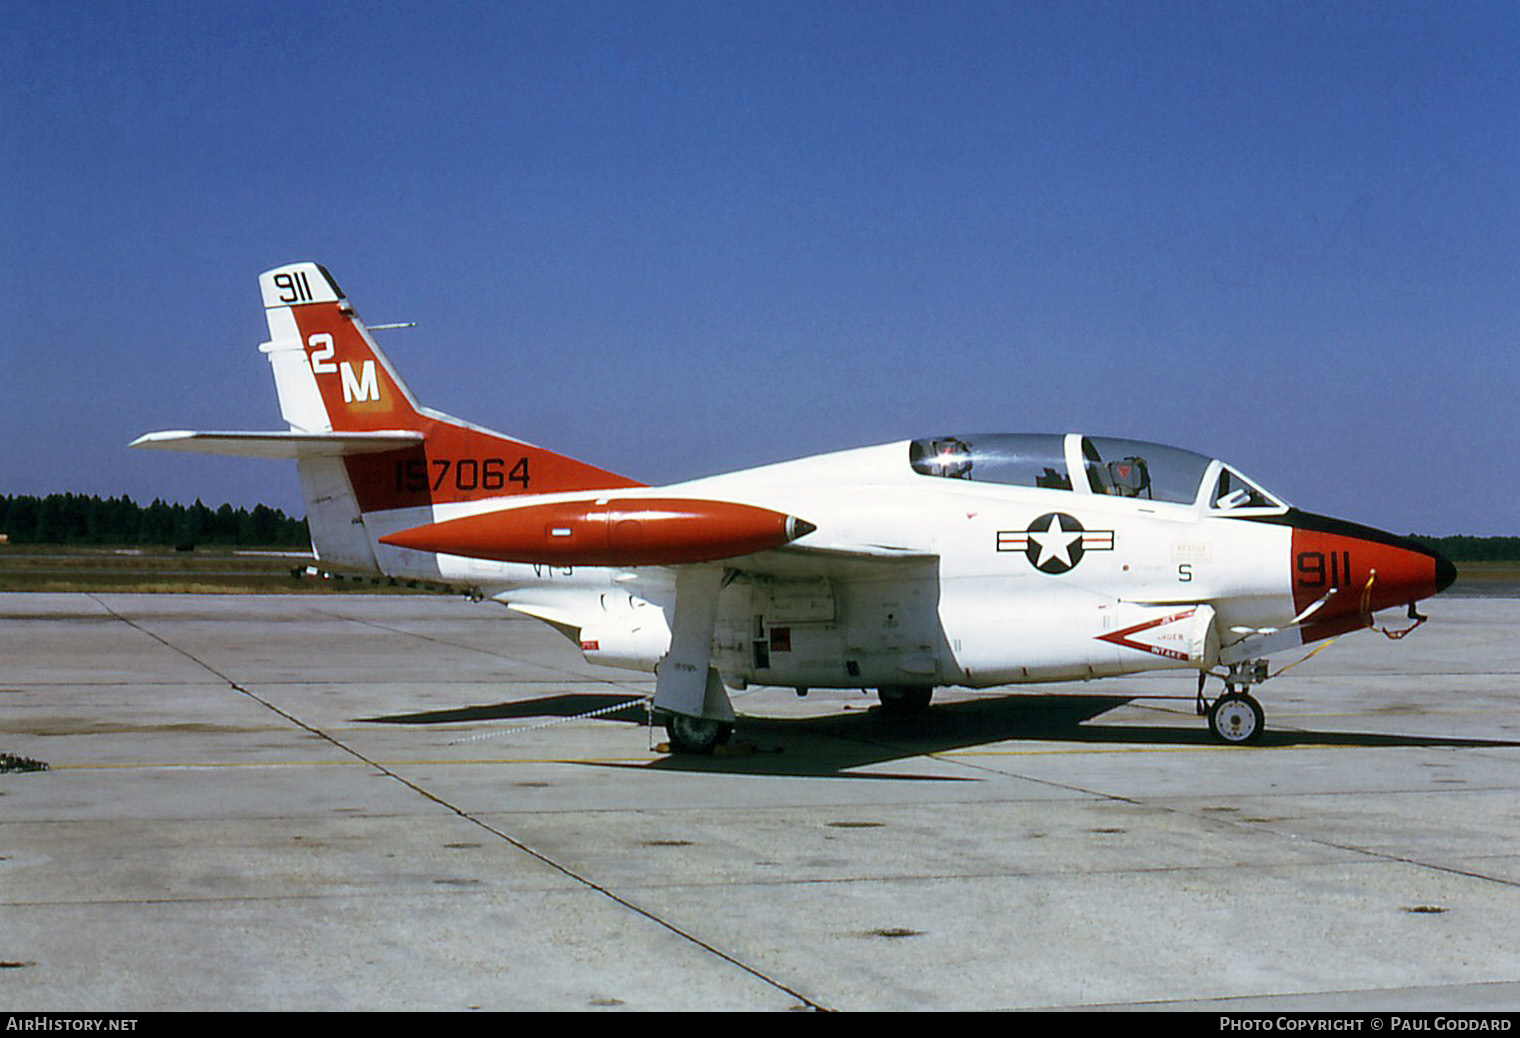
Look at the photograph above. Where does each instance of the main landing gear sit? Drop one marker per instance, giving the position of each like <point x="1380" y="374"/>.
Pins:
<point x="1236" y="718"/>
<point x="696" y="735"/>
<point x="902" y="700"/>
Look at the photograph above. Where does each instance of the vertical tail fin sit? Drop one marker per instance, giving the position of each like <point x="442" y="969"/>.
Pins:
<point x="330" y="374"/>
<point x="332" y="377"/>
<point x="371" y="459"/>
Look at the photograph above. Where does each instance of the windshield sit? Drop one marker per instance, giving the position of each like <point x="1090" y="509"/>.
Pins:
<point x="1233" y="491"/>
<point x="1051" y="461"/>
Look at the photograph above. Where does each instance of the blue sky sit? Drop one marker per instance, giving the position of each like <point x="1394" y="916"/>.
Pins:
<point x="673" y="239"/>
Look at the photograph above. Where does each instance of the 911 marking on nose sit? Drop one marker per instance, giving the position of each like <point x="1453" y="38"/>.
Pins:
<point x="1316" y="568"/>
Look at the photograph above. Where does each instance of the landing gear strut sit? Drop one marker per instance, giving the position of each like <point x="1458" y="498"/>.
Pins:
<point x="1236" y="718"/>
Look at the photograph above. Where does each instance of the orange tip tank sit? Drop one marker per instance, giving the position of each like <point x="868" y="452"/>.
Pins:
<point x="609" y="532"/>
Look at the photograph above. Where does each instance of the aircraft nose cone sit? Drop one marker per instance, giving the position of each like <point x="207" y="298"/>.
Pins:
<point x="1446" y="573"/>
<point x="1361" y="569"/>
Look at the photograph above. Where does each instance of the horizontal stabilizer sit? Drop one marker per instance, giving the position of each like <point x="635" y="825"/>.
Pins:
<point x="288" y="446"/>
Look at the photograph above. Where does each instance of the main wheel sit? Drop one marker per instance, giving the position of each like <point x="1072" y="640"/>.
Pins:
<point x="904" y="699"/>
<point x="696" y="735"/>
<point x="1237" y="718"/>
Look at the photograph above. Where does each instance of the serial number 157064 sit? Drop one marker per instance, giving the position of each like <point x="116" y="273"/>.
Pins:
<point x="412" y="475"/>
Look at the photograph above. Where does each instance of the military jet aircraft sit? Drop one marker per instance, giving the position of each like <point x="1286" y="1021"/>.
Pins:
<point x="968" y="559"/>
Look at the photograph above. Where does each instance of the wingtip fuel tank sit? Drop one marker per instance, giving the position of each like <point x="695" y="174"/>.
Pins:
<point x="609" y="532"/>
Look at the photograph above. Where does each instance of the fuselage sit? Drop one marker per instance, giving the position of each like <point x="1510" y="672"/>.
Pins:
<point x="950" y="568"/>
<point x="975" y="560"/>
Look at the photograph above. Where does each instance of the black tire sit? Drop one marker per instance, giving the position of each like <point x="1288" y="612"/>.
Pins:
<point x="904" y="700"/>
<point x="696" y="735"/>
<point x="1237" y="719"/>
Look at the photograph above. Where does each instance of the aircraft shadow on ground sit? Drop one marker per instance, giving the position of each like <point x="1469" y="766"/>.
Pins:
<point x="835" y="744"/>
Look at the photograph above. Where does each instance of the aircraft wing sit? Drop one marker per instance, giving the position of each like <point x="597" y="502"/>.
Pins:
<point x="863" y="552"/>
<point x="797" y="562"/>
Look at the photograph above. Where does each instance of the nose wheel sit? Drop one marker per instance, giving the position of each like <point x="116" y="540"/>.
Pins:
<point x="1236" y="718"/>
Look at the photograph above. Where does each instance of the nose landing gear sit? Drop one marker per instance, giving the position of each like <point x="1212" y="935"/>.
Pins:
<point x="1236" y="718"/>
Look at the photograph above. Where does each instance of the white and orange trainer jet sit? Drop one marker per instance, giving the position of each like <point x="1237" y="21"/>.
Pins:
<point x="959" y="560"/>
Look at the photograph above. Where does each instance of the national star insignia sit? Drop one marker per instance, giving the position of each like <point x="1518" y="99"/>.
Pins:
<point x="1055" y="542"/>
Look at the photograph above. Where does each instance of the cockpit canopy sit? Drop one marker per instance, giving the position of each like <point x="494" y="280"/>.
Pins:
<point x="1090" y="465"/>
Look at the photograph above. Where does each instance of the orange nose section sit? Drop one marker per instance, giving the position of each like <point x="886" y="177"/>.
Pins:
<point x="1367" y="568"/>
<point x="630" y="532"/>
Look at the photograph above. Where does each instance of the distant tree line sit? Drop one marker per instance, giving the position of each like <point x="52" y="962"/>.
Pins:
<point x="80" y="519"/>
<point x="77" y="519"/>
<point x="1462" y="548"/>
